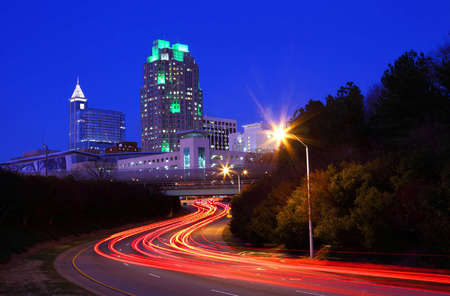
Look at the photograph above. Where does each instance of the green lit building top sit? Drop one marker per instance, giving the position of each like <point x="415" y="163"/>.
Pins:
<point x="170" y="99"/>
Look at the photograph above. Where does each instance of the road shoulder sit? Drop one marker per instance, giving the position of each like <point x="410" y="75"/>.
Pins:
<point x="35" y="272"/>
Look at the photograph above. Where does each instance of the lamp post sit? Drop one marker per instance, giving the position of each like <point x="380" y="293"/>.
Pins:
<point x="244" y="172"/>
<point x="239" y="182"/>
<point x="281" y="135"/>
<point x="226" y="171"/>
<point x="46" y="159"/>
<point x="311" y="248"/>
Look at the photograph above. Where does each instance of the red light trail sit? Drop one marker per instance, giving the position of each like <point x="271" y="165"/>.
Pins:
<point x="178" y="244"/>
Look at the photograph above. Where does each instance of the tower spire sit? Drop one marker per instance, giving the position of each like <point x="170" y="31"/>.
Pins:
<point x="78" y="93"/>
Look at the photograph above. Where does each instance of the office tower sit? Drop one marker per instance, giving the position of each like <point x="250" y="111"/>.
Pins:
<point x="218" y="131"/>
<point x="77" y="103"/>
<point x="171" y="99"/>
<point x="101" y="129"/>
<point x="92" y="129"/>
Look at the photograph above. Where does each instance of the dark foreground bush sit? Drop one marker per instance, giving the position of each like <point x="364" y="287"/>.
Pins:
<point x="35" y="209"/>
<point x="383" y="205"/>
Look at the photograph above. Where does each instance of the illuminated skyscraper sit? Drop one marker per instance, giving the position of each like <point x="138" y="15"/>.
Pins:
<point x="92" y="129"/>
<point x="100" y="129"/>
<point x="77" y="103"/>
<point x="171" y="98"/>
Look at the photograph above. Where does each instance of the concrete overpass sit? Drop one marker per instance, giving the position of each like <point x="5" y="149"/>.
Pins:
<point x="201" y="191"/>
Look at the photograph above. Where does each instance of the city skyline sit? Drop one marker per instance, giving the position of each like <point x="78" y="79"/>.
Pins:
<point x="93" y="129"/>
<point x="242" y="58"/>
<point x="233" y="148"/>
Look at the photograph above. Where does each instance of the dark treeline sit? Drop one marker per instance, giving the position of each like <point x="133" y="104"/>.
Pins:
<point x="380" y="168"/>
<point x="35" y="209"/>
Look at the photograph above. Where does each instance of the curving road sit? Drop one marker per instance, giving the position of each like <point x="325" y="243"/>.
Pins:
<point x="186" y="256"/>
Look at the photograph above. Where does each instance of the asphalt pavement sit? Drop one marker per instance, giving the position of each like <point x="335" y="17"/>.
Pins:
<point x="206" y="266"/>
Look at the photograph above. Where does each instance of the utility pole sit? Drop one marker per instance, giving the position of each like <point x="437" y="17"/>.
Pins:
<point x="46" y="159"/>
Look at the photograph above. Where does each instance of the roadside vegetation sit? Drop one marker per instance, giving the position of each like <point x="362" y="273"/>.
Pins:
<point x="380" y="178"/>
<point x="33" y="273"/>
<point x="35" y="209"/>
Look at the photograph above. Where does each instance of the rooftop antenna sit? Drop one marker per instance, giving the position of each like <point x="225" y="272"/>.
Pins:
<point x="78" y="79"/>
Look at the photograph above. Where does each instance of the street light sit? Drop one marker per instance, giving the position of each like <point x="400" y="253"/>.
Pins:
<point x="226" y="171"/>
<point x="245" y="173"/>
<point x="281" y="134"/>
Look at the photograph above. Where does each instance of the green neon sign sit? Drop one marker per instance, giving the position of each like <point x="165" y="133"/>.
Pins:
<point x="155" y="51"/>
<point x="161" y="78"/>
<point x="157" y="44"/>
<point x="178" y="50"/>
<point x="152" y="58"/>
<point x="199" y="112"/>
<point x="161" y="43"/>
<point x="178" y="55"/>
<point x="180" y="47"/>
<point x="165" y="146"/>
<point x="175" y="107"/>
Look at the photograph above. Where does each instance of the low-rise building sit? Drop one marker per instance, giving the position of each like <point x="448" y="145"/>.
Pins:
<point x="218" y="131"/>
<point x="63" y="163"/>
<point x="194" y="153"/>
<point x="195" y="158"/>
<point x="36" y="152"/>
<point x="256" y="137"/>
<point x="123" y="147"/>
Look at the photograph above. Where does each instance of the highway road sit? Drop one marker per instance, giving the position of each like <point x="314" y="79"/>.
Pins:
<point x="186" y="256"/>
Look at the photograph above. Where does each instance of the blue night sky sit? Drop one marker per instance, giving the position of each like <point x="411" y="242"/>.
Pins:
<point x="281" y="53"/>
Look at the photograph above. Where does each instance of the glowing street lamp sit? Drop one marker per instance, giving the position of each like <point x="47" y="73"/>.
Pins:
<point x="281" y="134"/>
<point x="226" y="171"/>
<point x="245" y="173"/>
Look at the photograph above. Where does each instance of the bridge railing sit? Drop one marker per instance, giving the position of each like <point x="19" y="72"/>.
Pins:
<point x="177" y="176"/>
<point x="204" y="184"/>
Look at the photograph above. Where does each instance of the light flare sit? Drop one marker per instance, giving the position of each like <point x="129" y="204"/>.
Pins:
<point x="179" y="244"/>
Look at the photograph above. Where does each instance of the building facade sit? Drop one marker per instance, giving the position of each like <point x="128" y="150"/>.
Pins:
<point x="56" y="163"/>
<point x="101" y="129"/>
<point x="256" y="138"/>
<point x="124" y="147"/>
<point x="171" y="99"/>
<point x="92" y="129"/>
<point x="194" y="154"/>
<point x="63" y="163"/>
<point x="218" y="130"/>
